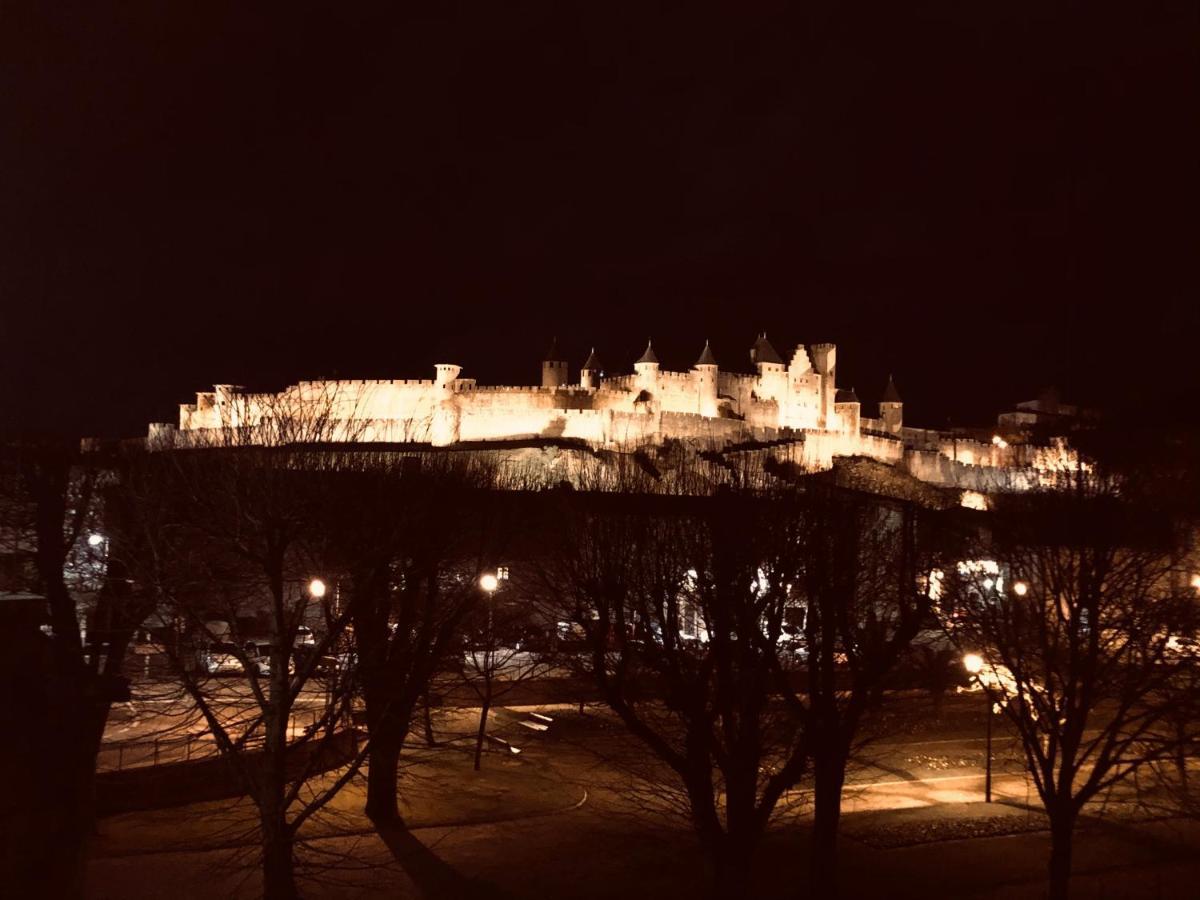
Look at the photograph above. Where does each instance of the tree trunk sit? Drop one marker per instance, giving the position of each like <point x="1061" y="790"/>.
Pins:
<point x="388" y="718"/>
<point x="429" y="737"/>
<point x="279" y="882"/>
<point x="383" y="763"/>
<point x="1062" y="831"/>
<point x="732" y="866"/>
<point x="277" y="871"/>
<point x="479" y="738"/>
<point x="829" y="774"/>
<point x="72" y="795"/>
<point x="1181" y="748"/>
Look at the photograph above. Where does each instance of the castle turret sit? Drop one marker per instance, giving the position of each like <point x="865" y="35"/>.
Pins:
<point x="446" y="374"/>
<point x="706" y="382"/>
<point x="647" y="370"/>
<point x="554" y="367"/>
<point x="589" y="375"/>
<point x="849" y="410"/>
<point x="891" y="408"/>
<point x="229" y="404"/>
<point x="824" y="360"/>
<point x="446" y="414"/>
<point x="772" y="375"/>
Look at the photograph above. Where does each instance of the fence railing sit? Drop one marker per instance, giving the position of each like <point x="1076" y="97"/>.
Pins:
<point x="117" y="756"/>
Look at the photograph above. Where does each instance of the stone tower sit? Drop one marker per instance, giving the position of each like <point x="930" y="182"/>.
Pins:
<point x="891" y="408"/>
<point x="772" y="376"/>
<point x="849" y="410"/>
<point x="446" y="413"/>
<point x="824" y="360"/>
<point x="554" y="367"/>
<point x="706" y="382"/>
<point x="647" y="370"/>
<point x="589" y="375"/>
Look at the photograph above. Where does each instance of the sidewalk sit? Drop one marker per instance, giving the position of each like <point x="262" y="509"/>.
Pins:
<point x="519" y="829"/>
<point x="584" y="854"/>
<point x="437" y="789"/>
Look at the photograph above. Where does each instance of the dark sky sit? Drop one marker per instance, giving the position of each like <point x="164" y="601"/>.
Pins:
<point x="979" y="197"/>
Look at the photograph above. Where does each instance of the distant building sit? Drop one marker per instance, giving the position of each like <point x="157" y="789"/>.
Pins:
<point x="1047" y="410"/>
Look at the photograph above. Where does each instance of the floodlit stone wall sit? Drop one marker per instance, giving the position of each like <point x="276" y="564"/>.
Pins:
<point x="792" y="408"/>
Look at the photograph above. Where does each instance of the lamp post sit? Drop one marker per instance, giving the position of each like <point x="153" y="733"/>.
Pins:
<point x="973" y="663"/>
<point x="489" y="582"/>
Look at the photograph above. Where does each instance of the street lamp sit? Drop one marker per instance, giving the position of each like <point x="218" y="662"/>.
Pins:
<point x="489" y="582"/>
<point x="973" y="663"/>
<point x="316" y="588"/>
<point x="1020" y="588"/>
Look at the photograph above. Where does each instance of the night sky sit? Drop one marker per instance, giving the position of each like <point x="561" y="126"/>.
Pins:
<point x="982" y="198"/>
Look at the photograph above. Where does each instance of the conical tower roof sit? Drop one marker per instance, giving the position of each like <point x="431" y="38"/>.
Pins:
<point x="553" y="354"/>
<point x="706" y="358"/>
<point x="593" y="362"/>
<point x="890" y="394"/>
<point x="648" y="356"/>
<point x="763" y="352"/>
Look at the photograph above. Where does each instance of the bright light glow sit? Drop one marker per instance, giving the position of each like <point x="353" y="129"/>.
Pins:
<point x="936" y="577"/>
<point x="95" y="540"/>
<point x="1196" y="582"/>
<point x="978" y="567"/>
<point x="973" y="663"/>
<point x="1020" y="588"/>
<point x="999" y="441"/>
<point x="316" y="588"/>
<point x="759" y="586"/>
<point x="973" y="500"/>
<point x="489" y="582"/>
<point x="988" y="584"/>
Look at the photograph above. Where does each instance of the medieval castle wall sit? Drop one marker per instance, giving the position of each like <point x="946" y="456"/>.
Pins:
<point x="793" y="410"/>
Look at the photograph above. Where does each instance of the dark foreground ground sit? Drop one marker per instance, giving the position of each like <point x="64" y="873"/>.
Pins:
<point x="570" y="817"/>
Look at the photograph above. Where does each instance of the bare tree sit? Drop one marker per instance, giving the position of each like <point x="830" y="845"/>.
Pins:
<point x="414" y="534"/>
<point x="55" y="502"/>
<point x="1073" y="601"/>
<point x="497" y="656"/>
<point x="236" y="533"/>
<point x="859" y="583"/>
<point x="683" y="600"/>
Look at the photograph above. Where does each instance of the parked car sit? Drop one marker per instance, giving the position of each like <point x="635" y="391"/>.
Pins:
<point x="221" y="658"/>
<point x="304" y="637"/>
<point x="326" y="666"/>
<point x="334" y="666"/>
<point x="258" y="653"/>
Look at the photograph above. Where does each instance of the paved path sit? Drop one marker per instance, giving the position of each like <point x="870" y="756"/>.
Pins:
<point x="608" y="847"/>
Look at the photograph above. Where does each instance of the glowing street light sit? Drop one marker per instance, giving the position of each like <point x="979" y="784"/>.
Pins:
<point x="489" y="582"/>
<point x="95" y="540"/>
<point x="973" y="663"/>
<point x="1020" y="588"/>
<point x="316" y="588"/>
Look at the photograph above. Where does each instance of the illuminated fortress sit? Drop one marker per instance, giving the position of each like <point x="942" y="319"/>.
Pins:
<point x="793" y="407"/>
